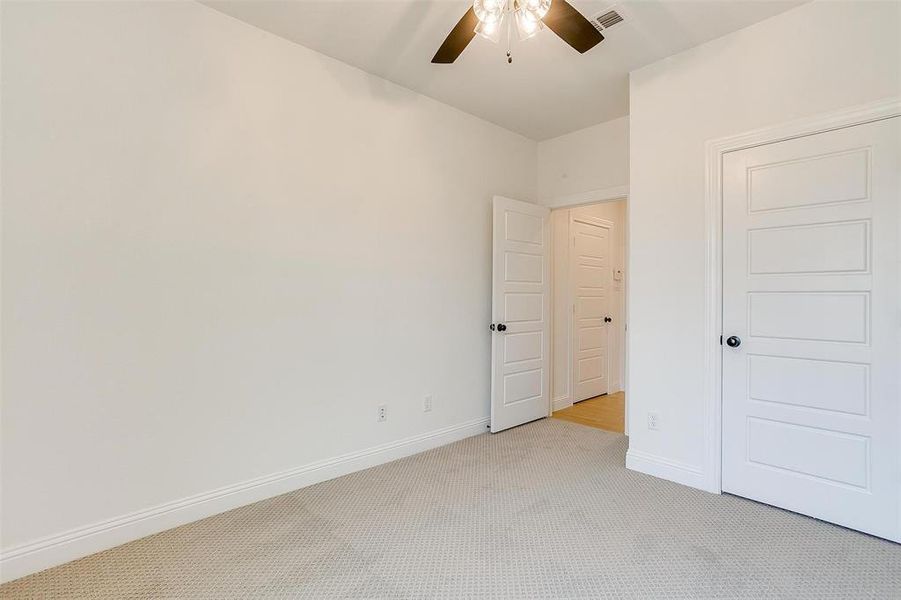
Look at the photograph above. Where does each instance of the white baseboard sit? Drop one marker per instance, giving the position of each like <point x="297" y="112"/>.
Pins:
<point x="562" y="402"/>
<point x="54" y="550"/>
<point x="665" y="468"/>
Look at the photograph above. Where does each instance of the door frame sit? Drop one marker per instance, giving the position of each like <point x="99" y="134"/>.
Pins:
<point x="570" y="299"/>
<point x="713" y="304"/>
<point x="600" y="196"/>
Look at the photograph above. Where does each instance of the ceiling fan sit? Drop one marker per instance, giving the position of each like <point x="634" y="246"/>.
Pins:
<point x="491" y="18"/>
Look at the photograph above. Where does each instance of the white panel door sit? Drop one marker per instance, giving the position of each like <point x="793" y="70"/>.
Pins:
<point x="811" y="395"/>
<point x="520" y="344"/>
<point x="590" y="273"/>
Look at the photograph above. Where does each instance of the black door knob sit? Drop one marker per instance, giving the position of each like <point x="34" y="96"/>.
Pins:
<point x="733" y="341"/>
<point x="491" y="327"/>
<point x="608" y="320"/>
<point x="501" y="327"/>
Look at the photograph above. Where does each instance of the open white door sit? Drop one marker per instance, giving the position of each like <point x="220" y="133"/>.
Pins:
<point x="520" y="344"/>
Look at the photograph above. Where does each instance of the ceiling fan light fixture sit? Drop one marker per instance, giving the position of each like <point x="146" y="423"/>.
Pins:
<point x="488" y="19"/>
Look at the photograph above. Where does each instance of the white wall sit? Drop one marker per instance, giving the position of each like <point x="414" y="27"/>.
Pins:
<point x="572" y="166"/>
<point x="816" y="58"/>
<point x="221" y="251"/>
<point x="561" y="326"/>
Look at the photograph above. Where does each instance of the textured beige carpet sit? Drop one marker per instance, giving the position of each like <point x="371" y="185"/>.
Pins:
<point x="542" y="511"/>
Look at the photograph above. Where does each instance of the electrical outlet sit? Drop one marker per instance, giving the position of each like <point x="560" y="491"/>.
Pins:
<point x="653" y="421"/>
<point x="427" y="403"/>
<point x="383" y="412"/>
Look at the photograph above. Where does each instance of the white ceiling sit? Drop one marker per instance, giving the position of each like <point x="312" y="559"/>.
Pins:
<point x="549" y="89"/>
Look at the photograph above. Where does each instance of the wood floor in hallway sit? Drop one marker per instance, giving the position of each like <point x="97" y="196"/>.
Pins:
<point x="606" y="412"/>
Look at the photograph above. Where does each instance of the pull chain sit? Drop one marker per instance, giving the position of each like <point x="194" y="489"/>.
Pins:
<point x="509" y="37"/>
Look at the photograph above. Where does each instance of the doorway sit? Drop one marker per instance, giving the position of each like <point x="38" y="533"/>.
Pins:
<point x="558" y="324"/>
<point x="588" y="324"/>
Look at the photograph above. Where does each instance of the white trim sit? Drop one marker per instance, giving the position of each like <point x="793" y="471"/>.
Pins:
<point x="562" y="402"/>
<point x="848" y="117"/>
<point x="596" y="221"/>
<point x="619" y="192"/>
<point x="665" y="468"/>
<point x="54" y="550"/>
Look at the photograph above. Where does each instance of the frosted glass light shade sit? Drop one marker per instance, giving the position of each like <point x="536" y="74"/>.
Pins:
<point x="537" y="8"/>
<point x="527" y="24"/>
<point x="489" y="11"/>
<point x="489" y="30"/>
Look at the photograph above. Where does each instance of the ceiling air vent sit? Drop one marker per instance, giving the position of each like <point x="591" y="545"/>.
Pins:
<point x="606" y="20"/>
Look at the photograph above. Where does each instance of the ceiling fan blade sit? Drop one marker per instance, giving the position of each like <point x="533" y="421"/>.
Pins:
<point x="458" y="39"/>
<point x="572" y="27"/>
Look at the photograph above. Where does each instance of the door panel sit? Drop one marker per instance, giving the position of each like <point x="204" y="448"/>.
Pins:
<point x="821" y="248"/>
<point x="523" y="307"/>
<point x="813" y="316"/>
<point x="809" y="180"/>
<point x="520" y="290"/>
<point x="590" y="268"/>
<point x="808" y="451"/>
<point x="820" y="384"/>
<point x="811" y="286"/>
<point x="523" y="346"/>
